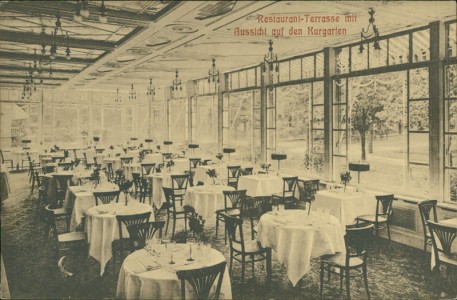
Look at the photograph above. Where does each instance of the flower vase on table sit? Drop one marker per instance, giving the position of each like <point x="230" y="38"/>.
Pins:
<point x="345" y="178"/>
<point x="125" y="187"/>
<point x="212" y="174"/>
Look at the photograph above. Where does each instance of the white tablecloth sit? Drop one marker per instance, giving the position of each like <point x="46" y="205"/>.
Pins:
<point x="206" y="199"/>
<point x="159" y="181"/>
<point x="260" y="185"/>
<point x="82" y="198"/>
<point x="345" y="205"/>
<point x="131" y="168"/>
<point x="163" y="283"/>
<point x="297" y="237"/>
<point x="155" y="158"/>
<point x="102" y="228"/>
<point x="181" y="165"/>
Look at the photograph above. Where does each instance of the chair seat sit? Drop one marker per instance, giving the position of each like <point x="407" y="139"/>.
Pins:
<point x="251" y="246"/>
<point x="371" y="218"/>
<point x="448" y="259"/>
<point x="71" y="237"/>
<point x="229" y="212"/>
<point x="339" y="260"/>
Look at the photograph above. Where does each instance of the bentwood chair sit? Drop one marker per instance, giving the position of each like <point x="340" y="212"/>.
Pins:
<point x="427" y="211"/>
<point x="443" y="237"/>
<point x="233" y="174"/>
<point x="306" y="191"/>
<point x="233" y="203"/>
<point x="245" y="251"/>
<point x="141" y="233"/>
<point x="193" y="164"/>
<point x="254" y="208"/>
<point x="287" y="196"/>
<point x="202" y="281"/>
<point x="126" y="244"/>
<point x="147" y="168"/>
<point x="62" y="182"/>
<point x="382" y="216"/>
<point x="172" y="196"/>
<point x="126" y="160"/>
<point x="106" y="197"/>
<point x="4" y="161"/>
<point x="357" y="240"/>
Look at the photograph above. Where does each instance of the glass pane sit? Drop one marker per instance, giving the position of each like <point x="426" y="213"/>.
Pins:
<point x="318" y="92"/>
<point x="205" y="116"/>
<point x="235" y="80"/>
<point x="251" y="77"/>
<point x="295" y="69"/>
<point x="418" y="115"/>
<point x="339" y="116"/>
<point x="419" y="183"/>
<point x="318" y="117"/>
<point x="451" y="81"/>
<point x="398" y="50"/>
<point x="359" y="60"/>
<point x="451" y="186"/>
<point x="452" y="40"/>
<point x="450" y="150"/>
<point x="339" y="142"/>
<point x="342" y="60"/>
<point x="378" y="58"/>
<point x="243" y="80"/>
<point x="320" y="64"/>
<point x="340" y="91"/>
<point x="418" y="147"/>
<point x="308" y="67"/>
<point x="418" y="83"/>
<point x="112" y="126"/>
<point x="451" y="115"/>
<point x="159" y="121"/>
<point x="241" y="122"/>
<point x="178" y="121"/>
<point x="421" y="45"/>
<point x="340" y="164"/>
<point x="284" y="71"/>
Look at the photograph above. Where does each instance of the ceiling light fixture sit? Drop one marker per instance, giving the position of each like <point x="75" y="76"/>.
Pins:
<point x="103" y="18"/>
<point x="77" y="16"/>
<point x="118" y="97"/>
<point x="213" y="73"/>
<point x="367" y="34"/>
<point x="176" y="83"/>
<point x="151" y="90"/>
<point x="132" y="93"/>
<point x="270" y="64"/>
<point x="84" y="8"/>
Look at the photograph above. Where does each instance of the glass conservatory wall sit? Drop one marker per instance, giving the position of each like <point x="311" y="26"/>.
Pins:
<point x="204" y="117"/>
<point x="178" y="121"/>
<point x="159" y="115"/>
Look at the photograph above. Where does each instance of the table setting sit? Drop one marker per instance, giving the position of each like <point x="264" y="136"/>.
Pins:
<point x="296" y="237"/>
<point x="158" y="181"/>
<point x="150" y="273"/>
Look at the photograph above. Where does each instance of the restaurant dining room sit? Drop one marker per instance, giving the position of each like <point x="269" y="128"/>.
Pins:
<point x="228" y="149"/>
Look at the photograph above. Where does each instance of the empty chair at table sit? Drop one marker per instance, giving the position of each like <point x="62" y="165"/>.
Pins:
<point x="126" y="160"/>
<point x="287" y="196"/>
<point x="137" y="182"/>
<point x="381" y="217"/>
<point x="124" y="244"/>
<point x="67" y="166"/>
<point x="233" y="204"/>
<point x="250" y="251"/>
<point x="233" y="174"/>
<point x="254" y="209"/>
<point x="202" y="281"/>
<point x="173" y="195"/>
<point x="61" y="186"/>
<point x="147" y="168"/>
<point x="109" y="170"/>
<point x="143" y="232"/>
<point x="427" y="211"/>
<point x="145" y="190"/>
<point x="166" y="157"/>
<point x="193" y="164"/>
<point x="106" y="197"/>
<point x="306" y="192"/>
<point x="357" y="240"/>
<point x="5" y="161"/>
<point x="246" y="171"/>
<point x="443" y="237"/>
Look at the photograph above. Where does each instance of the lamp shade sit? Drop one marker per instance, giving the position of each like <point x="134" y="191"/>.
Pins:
<point x="193" y="146"/>
<point x="96" y="139"/>
<point x="26" y="141"/>
<point x="167" y="142"/>
<point x="228" y="150"/>
<point x="359" y="167"/>
<point x="278" y="156"/>
<point x="148" y="140"/>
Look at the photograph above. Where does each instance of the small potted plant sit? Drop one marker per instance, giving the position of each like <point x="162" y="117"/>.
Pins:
<point x="125" y="188"/>
<point x="212" y="174"/>
<point x="170" y="165"/>
<point x="265" y="167"/>
<point x="345" y="178"/>
<point x="95" y="177"/>
<point x="220" y="156"/>
<point x="197" y="226"/>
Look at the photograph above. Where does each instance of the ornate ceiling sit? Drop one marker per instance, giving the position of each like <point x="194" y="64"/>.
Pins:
<point x="144" y="39"/>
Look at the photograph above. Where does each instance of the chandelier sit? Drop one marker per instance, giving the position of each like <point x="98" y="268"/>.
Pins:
<point x="270" y="64"/>
<point x="151" y="89"/>
<point x="213" y="73"/>
<point x="57" y="30"/>
<point x="132" y="93"/>
<point x="82" y="10"/>
<point x="118" y="97"/>
<point x="176" y="83"/>
<point x="367" y="34"/>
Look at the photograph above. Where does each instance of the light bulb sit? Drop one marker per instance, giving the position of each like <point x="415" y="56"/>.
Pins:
<point x="103" y="19"/>
<point x="85" y="12"/>
<point x="68" y="56"/>
<point x="77" y="17"/>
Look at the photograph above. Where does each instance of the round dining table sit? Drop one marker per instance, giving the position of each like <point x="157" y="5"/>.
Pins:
<point x="206" y="199"/>
<point x="149" y="275"/>
<point x="102" y="228"/>
<point x="260" y="185"/>
<point x="158" y="182"/>
<point x="297" y="236"/>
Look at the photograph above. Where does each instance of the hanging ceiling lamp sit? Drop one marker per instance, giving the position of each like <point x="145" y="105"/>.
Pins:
<point x="84" y="8"/>
<point x="367" y="34"/>
<point x="77" y="16"/>
<point x="132" y="93"/>
<point x="151" y="90"/>
<point x="213" y="73"/>
<point x="103" y="18"/>
<point x="176" y="83"/>
<point x="270" y="64"/>
<point x="118" y="97"/>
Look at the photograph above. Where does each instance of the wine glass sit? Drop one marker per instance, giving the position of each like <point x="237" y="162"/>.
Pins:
<point x="190" y="242"/>
<point x="171" y="246"/>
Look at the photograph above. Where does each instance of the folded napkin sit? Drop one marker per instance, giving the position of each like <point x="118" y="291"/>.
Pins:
<point x="143" y="264"/>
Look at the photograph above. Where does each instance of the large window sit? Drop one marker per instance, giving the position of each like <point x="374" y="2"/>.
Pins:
<point x="204" y="120"/>
<point x="450" y="152"/>
<point x="178" y="116"/>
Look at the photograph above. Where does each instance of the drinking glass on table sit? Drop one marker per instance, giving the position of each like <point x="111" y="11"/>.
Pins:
<point x="191" y="243"/>
<point x="281" y="207"/>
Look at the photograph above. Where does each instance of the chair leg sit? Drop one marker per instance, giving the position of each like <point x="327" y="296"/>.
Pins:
<point x="365" y="279"/>
<point x="252" y="265"/>
<point x="348" y="290"/>
<point x="168" y="222"/>
<point x="341" y="281"/>
<point x="269" y="269"/>
<point x="321" y="285"/>
<point x="243" y="266"/>
<point x="231" y="262"/>
<point x="388" y="231"/>
<point x="174" y="227"/>
<point x="217" y="225"/>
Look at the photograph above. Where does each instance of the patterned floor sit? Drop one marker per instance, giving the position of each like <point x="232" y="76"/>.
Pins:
<point x="396" y="272"/>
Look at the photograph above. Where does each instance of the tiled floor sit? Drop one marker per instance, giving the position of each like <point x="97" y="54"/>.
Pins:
<point x="400" y="272"/>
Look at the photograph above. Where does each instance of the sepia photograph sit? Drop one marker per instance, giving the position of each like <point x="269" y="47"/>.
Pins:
<point x="228" y="149"/>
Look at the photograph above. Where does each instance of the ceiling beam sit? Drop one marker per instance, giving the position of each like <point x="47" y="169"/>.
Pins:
<point x="67" y="9"/>
<point x="35" y="38"/>
<point x="26" y="69"/>
<point x="21" y="83"/>
<point x="31" y="57"/>
<point x="27" y="77"/>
